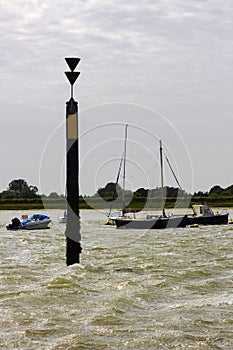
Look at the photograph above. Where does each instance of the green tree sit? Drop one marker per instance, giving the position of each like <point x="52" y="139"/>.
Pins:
<point x="29" y="192"/>
<point x="22" y="190"/>
<point x="17" y="185"/>
<point x="108" y="190"/>
<point x="8" y="194"/>
<point x="216" y="190"/>
<point x="54" y="195"/>
<point x="228" y="191"/>
<point x="141" y="192"/>
<point x="201" y="194"/>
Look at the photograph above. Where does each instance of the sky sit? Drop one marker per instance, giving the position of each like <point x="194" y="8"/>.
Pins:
<point x="165" y="68"/>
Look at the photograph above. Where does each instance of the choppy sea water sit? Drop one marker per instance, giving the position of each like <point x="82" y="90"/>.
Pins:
<point x="157" y="289"/>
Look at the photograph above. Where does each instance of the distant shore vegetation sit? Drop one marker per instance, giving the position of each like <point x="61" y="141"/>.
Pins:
<point x="21" y="196"/>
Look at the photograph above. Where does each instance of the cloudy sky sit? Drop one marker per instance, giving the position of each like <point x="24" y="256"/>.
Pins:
<point x="164" y="67"/>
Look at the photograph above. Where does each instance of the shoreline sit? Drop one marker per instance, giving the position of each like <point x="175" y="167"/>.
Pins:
<point x="42" y="207"/>
<point x="104" y="203"/>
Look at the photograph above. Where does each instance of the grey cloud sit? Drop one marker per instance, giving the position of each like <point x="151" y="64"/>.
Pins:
<point x="172" y="55"/>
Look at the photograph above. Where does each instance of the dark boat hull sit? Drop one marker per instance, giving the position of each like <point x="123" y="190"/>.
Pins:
<point x="148" y="224"/>
<point x="208" y="220"/>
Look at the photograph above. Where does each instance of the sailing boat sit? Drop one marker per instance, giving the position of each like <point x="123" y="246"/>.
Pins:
<point x="154" y="221"/>
<point x="112" y="218"/>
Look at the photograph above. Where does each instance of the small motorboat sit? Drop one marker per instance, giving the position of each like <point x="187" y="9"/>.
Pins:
<point x="63" y="219"/>
<point x="204" y="215"/>
<point x="34" y="222"/>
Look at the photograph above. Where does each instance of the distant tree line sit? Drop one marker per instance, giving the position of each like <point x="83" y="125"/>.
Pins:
<point x="216" y="196"/>
<point x="112" y="188"/>
<point x="20" y="189"/>
<point x="19" y="193"/>
<point x="216" y="191"/>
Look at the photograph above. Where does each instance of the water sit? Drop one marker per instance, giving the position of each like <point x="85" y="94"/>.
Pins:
<point x="158" y="289"/>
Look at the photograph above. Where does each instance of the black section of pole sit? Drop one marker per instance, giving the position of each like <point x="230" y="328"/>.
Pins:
<point x="73" y="247"/>
<point x="73" y="237"/>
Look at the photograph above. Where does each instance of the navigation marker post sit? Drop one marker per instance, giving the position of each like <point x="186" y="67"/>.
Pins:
<point x="73" y="237"/>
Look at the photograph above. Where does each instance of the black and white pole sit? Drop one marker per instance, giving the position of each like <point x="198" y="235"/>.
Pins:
<point x="73" y="237"/>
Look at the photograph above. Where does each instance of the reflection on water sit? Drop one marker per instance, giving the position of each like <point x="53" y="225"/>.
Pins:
<point x="168" y="289"/>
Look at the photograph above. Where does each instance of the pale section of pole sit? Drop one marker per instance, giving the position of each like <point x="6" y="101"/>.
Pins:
<point x="73" y="236"/>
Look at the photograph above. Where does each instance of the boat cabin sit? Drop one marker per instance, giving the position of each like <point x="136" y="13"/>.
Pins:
<point x="202" y="210"/>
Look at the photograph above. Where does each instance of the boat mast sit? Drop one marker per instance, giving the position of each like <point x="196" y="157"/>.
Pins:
<point x="161" y="171"/>
<point x="124" y="168"/>
<point x="116" y="183"/>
